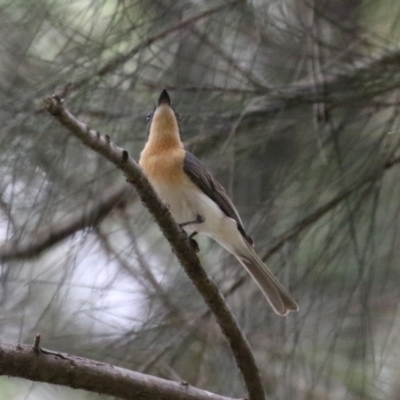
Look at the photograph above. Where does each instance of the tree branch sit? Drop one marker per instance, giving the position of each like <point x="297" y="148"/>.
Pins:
<point x="41" y="365"/>
<point x="176" y="237"/>
<point x="34" y="244"/>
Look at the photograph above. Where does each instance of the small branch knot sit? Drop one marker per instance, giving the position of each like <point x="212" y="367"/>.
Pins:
<point x="61" y="92"/>
<point x="52" y="105"/>
<point x="36" y="343"/>
<point x="125" y="156"/>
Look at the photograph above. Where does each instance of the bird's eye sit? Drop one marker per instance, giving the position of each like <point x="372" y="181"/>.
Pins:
<point x="150" y="114"/>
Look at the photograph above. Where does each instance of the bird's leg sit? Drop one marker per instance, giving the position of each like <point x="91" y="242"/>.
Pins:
<point x="193" y="243"/>
<point x="199" y="220"/>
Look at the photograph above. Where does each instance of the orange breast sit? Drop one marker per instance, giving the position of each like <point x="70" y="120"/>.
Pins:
<point x="163" y="167"/>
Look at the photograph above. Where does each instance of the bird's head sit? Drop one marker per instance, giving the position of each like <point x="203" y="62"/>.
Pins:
<point x="164" y="121"/>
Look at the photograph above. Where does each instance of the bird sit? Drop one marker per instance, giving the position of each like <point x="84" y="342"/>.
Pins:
<point x="199" y="203"/>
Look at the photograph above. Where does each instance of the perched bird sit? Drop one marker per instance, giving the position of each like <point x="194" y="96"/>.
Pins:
<point x="199" y="203"/>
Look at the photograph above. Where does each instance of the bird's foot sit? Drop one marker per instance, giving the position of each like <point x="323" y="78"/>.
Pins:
<point x="193" y="243"/>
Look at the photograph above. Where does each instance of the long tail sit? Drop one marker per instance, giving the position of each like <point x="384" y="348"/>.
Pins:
<point x="276" y="294"/>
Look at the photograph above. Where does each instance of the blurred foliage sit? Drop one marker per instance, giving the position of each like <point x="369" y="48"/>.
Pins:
<point x="293" y="105"/>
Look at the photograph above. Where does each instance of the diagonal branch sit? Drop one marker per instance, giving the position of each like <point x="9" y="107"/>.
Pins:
<point x="33" y="363"/>
<point x="176" y="237"/>
<point x="307" y="221"/>
<point x="37" y="242"/>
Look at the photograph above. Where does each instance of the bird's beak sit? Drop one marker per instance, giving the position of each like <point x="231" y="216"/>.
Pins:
<point x="164" y="98"/>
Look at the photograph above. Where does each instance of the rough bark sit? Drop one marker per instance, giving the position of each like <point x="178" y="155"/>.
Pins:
<point x="35" y="364"/>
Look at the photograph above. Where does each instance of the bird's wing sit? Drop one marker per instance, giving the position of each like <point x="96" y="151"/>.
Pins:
<point x="199" y="175"/>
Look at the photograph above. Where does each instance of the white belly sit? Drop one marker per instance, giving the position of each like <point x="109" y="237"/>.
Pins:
<point x="186" y="202"/>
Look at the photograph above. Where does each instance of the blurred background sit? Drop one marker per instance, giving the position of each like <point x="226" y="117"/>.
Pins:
<point x="294" y="106"/>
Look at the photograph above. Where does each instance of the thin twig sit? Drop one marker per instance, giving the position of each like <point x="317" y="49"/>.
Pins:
<point x="121" y="59"/>
<point x="176" y="237"/>
<point x="291" y="233"/>
<point x="144" y="267"/>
